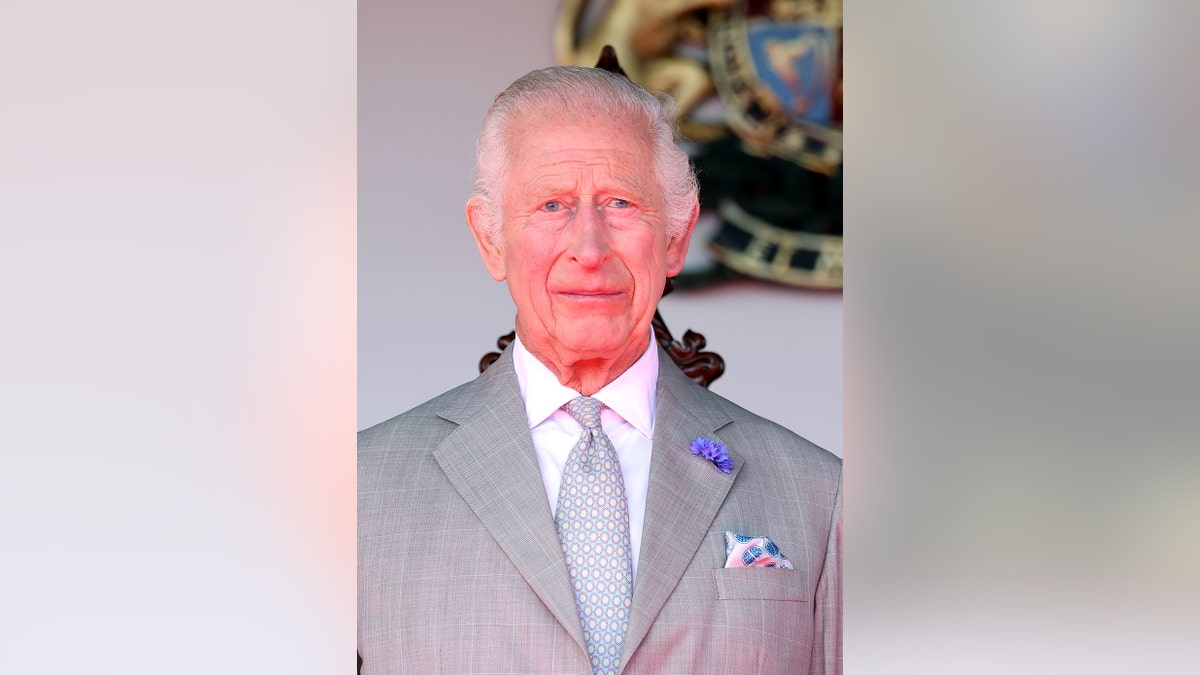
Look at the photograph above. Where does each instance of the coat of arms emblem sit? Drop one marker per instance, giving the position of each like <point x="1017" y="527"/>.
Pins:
<point x="759" y="85"/>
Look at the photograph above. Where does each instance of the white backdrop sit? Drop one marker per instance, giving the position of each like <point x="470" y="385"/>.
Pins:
<point x="427" y="310"/>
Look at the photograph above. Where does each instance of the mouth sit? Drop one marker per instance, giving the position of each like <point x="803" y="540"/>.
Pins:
<point x="590" y="294"/>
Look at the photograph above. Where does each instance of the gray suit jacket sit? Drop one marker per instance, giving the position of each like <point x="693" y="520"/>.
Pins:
<point x="460" y="569"/>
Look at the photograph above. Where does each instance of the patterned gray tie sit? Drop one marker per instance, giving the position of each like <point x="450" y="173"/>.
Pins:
<point x="593" y="525"/>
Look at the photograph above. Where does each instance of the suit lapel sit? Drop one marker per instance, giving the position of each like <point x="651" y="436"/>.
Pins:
<point x="685" y="493"/>
<point x="491" y="462"/>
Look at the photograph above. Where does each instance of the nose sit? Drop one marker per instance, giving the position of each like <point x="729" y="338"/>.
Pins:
<point x="589" y="246"/>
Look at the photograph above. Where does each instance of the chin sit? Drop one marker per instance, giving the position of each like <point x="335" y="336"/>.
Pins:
<point x="599" y="341"/>
<point x="593" y="349"/>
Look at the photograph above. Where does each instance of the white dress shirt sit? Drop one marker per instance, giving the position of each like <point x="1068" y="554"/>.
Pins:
<point x="628" y="420"/>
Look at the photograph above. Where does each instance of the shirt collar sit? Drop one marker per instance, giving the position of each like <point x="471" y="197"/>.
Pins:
<point x="632" y="395"/>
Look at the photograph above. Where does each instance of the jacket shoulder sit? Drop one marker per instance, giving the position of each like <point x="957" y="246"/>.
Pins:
<point x="421" y="426"/>
<point x="758" y="435"/>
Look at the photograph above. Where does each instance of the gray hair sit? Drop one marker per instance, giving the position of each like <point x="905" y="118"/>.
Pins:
<point x="577" y="91"/>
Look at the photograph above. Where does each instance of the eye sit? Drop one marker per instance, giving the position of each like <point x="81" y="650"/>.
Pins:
<point x="620" y="203"/>
<point x="552" y="206"/>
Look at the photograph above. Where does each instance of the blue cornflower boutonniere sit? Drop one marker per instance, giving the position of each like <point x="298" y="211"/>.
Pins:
<point x="713" y="452"/>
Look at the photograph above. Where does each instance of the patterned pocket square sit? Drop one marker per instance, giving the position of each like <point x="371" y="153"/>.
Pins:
<point x="746" y="551"/>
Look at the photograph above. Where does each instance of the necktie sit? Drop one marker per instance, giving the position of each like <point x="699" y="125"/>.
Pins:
<point x="593" y="526"/>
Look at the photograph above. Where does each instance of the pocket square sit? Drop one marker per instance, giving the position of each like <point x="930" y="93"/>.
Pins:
<point x="744" y="551"/>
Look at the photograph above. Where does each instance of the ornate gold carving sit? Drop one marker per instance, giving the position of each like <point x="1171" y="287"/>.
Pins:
<point x="645" y="34"/>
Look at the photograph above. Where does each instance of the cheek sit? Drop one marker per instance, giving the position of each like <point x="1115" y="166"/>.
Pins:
<point x="647" y="259"/>
<point x="528" y="268"/>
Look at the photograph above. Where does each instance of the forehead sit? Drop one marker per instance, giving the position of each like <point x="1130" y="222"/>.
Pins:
<point x="547" y="144"/>
<point x="543" y="128"/>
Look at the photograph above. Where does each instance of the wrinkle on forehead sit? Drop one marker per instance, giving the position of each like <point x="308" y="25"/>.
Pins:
<point x="581" y="161"/>
<point x="598" y="174"/>
<point x="540" y="125"/>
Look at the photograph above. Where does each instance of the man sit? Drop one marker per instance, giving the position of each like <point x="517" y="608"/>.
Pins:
<point x="568" y="511"/>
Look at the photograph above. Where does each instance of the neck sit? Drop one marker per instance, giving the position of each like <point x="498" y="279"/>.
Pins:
<point x="587" y="375"/>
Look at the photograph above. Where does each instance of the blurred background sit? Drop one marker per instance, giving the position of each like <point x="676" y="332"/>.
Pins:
<point x="427" y="309"/>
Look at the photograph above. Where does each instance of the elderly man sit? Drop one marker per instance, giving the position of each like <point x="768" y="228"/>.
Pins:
<point x="582" y="506"/>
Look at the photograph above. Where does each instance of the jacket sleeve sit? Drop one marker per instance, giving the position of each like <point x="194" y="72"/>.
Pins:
<point x="827" y="610"/>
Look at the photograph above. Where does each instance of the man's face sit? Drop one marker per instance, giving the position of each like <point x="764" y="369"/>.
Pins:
<point x="584" y="246"/>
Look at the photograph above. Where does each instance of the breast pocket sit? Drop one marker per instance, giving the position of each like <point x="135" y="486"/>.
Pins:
<point x="760" y="583"/>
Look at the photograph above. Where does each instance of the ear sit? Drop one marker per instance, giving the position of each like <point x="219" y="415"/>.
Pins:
<point x="492" y="252"/>
<point x="677" y="246"/>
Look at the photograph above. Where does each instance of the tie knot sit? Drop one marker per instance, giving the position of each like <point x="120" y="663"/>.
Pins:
<point x="585" y="410"/>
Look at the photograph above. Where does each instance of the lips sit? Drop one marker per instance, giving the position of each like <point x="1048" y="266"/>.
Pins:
<point x="591" y="297"/>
